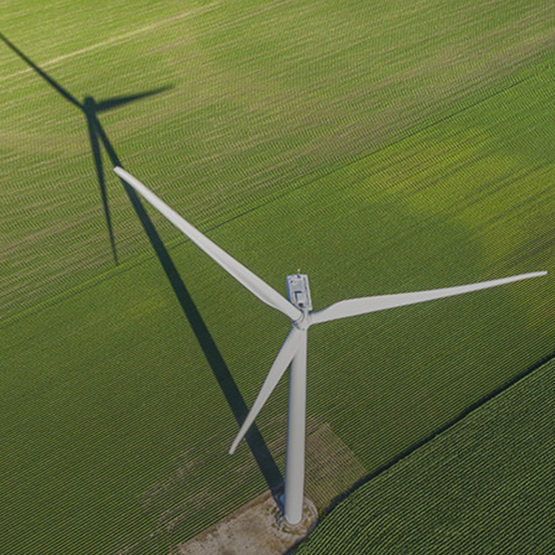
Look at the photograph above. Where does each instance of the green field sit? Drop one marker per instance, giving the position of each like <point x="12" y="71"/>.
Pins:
<point x="483" y="486"/>
<point x="373" y="149"/>
<point x="257" y="101"/>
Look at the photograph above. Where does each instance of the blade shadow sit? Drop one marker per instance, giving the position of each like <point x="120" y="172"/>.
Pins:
<point x="42" y="73"/>
<point x="118" y="101"/>
<point x="90" y="109"/>
<point x="97" y="158"/>
<point x="239" y="408"/>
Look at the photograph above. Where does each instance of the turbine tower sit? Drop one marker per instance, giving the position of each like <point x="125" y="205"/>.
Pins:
<point x="294" y="349"/>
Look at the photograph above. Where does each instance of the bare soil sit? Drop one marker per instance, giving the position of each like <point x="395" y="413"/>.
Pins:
<point x="258" y="528"/>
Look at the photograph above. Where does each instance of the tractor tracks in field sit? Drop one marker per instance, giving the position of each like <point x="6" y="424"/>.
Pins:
<point x="142" y="30"/>
<point x="117" y="40"/>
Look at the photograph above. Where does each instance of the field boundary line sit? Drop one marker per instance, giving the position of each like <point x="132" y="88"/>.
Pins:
<point x="446" y="428"/>
<point x="116" y="40"/>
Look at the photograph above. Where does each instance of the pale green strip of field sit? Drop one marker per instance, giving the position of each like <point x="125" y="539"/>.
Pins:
<point x="253" y="101"/>
<point x="483" y="486"/>
<point x="119" y="403"/>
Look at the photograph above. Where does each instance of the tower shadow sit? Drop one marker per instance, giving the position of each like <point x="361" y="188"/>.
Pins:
<point x="98" y="138"/>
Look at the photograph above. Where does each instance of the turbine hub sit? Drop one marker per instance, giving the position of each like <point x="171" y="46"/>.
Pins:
<point x="304" y="320"/>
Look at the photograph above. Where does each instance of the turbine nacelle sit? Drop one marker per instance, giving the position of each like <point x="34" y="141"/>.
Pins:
<point x="298" y="293"/>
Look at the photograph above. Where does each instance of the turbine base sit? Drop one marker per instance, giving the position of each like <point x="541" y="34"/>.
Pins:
<point x="256" y="528"/>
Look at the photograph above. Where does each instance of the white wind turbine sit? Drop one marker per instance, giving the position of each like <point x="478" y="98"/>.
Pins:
<point x="294" y="349"/>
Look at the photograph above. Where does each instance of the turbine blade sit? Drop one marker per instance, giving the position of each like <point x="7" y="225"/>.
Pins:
<point x="284" y="357"/>
<point x="354" y="307"/>
<point x="242" y="274"/>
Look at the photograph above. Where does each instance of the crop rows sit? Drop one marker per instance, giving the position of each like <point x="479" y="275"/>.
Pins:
<point x="483" y="485"/>
<point x="105" y="390"/>
<point x="245" y="112"/>
<point x="120" y="400"/>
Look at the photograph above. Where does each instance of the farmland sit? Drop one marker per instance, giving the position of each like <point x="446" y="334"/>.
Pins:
<point x="245" y="110"/>
<point x="483" y="486"/>
<point x="301" y="134"/>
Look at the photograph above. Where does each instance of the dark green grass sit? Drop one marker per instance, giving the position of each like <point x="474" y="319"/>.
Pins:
<point x="118" y="404"/>
<point x="483" y="486"/>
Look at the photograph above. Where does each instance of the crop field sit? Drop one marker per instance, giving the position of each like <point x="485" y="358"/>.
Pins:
<point x="483" y="486"/>
<point x="380" y="148"/>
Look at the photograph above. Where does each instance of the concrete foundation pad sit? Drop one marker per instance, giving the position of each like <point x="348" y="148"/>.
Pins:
<point x="258" y="528"/>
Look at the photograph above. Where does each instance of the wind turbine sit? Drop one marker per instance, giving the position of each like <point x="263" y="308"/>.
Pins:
<point x="294" y="349"/>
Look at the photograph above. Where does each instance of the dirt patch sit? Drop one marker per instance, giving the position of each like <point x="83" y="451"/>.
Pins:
<point x="256" y="529"/>
<point x="177" y="503"/>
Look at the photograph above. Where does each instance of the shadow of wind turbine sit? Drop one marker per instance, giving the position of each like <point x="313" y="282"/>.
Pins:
<point x="90" y="108"/>
<point x="262" y="455"/>
<point x="257" y="445"/>
<point x="98" y="139"/>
